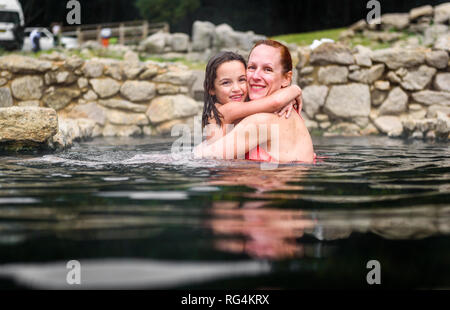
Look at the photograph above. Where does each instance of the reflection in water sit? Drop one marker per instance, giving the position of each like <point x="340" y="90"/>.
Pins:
<point x="251" y="227"/>
<point x="370" y="198"/>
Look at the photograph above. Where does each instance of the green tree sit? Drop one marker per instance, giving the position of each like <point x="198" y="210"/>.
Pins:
<point x="171" y="11"/>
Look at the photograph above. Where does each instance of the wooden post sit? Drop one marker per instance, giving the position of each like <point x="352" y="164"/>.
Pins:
<point x="121" y="34"/>
<point x="99" y="36"/>
<point x="79" y="35"/>
<point x="144" y="30"/>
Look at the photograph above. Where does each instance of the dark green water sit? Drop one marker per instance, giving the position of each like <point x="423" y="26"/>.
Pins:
<point x="134" y="217"/>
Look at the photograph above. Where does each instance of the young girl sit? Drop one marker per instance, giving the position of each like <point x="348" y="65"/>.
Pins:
<point x="226" y="101"/>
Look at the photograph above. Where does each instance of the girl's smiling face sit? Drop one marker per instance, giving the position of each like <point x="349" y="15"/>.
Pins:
<point x="230" y="83"/>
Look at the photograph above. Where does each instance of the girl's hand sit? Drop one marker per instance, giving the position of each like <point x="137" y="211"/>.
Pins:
<point x="287" y="110"/>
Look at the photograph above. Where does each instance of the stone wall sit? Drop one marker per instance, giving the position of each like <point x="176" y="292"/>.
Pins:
<point x="395" y="91"/>
<point x="97" y="97"/>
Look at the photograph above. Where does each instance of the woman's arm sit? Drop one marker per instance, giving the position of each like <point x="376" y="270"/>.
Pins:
<point x="250" y="132"/>
<point x="233" y="111"/>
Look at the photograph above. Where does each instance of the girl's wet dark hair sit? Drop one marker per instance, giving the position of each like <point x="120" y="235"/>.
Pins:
<point x="209" y="107"/>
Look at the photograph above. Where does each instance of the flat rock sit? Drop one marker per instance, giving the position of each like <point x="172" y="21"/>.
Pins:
<point x="430" y="97"/>
<point x="333" y="75"/>
<point x="117" y="117"/>
<point x="176" y="78"/>
<point x="331" y="53"/>
<point x="23" y="64"/>
<point x="123" y="105"/>
<point x="27" y="124"/>
<point x="426" y="10"/>
<point x="396" y="58"/>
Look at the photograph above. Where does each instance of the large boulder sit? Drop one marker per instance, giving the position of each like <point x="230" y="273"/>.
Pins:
<point x="203" y="34"/>
<point x="426" y="10"/>
<point x="390" y="125"/>
<point x="93" y="69"/>
<point x="138" y="90"/>
<point x="430" y="97"/>
<point x="331" y="53"/>
<point x="167" y="108"/>
<point x="395" y="103"/>
<point x="418" y="79"/>
<point x="22" y="64"/>
<point x="443" y="42"/>
<point x="180" y="42"/>
<point x="396" y="21"/>
<point x="155" y="43"/>
<point x="225" y="37"/>
<point x="28" y="87"/>
<point x="60" y="98"/>
<point x="6" y="99"/>
<point x="27" y="124"/>
<point x="313" y="99"/>
<point x="433" y="32"/>
<point x="437" y="59"/>
<point x="396" y="58"/>
<point x="333" y="75"/>
<point x="348" y="101"/>
<point x="442" y="13"/>
<point x="442" y="82"/>
<point x="105" y="87"/>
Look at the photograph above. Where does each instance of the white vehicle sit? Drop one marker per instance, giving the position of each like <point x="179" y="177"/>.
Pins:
<point x="47" y="40"/>
<point x="12" y="24"/>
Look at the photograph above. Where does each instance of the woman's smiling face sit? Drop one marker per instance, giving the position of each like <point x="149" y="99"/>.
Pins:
<point x="265" y="72"/>
<point x="230" y="83"/>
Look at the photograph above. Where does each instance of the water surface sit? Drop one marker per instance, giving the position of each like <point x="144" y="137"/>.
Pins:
<point x="135" y="217"/>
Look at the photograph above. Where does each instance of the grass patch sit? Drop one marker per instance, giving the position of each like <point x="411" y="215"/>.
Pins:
<point x="307" y="38"/>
